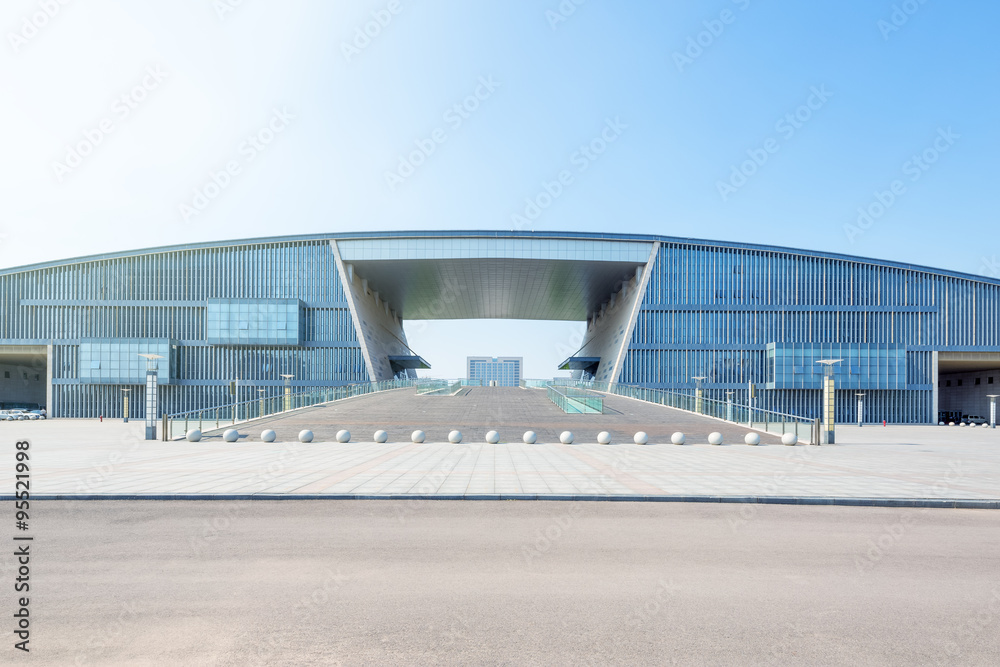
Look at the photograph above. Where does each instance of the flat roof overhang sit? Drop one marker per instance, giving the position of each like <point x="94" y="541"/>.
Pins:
<point x="401" y="362"/>
<point x="580" y="363"/>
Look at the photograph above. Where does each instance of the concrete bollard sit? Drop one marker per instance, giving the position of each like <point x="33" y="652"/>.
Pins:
<point x="640" y="438"/>
<point x="231" y="435"/>
<point x="566" y="437"/>
<point x="455" y="437"/>
<point x="305" y="435"/>
<point x="529" y="437"/>
<point x="604" y="438"/>
<point x="417" y="436"/>
<point x="194" y="435"/>
<point x="267" y="435"/>
<point x="492" y="437"/>
<point x="789" y="439"/>
<point x="380" y="436"/>
<point x="343" y="435"/>
<point x="715" y="438"/>
<point x="678" y="438"/>
<point x="752" y="439"/>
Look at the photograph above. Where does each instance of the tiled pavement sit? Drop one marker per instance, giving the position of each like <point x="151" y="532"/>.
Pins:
<point x="86" y="458"/>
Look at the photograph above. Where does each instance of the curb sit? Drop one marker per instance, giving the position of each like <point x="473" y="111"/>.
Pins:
<point x="961" y="503"/>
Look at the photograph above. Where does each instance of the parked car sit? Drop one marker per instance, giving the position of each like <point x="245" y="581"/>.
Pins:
<point x="6" y="416"/>
<point x="15" y="415"/>
<point x="974" y="419"/>
<point x="21" y="414"/>
<point x="38" y="414"/>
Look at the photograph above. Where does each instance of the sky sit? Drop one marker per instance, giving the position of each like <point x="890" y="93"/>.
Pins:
<point x="865" y="127"/>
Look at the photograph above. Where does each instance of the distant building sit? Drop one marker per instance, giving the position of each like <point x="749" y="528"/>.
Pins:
<point x="505" y="371"/>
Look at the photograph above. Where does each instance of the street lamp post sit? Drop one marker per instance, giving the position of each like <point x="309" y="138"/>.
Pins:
<point x="829" y="402"/>
<point x="993" y="409"/>
<point x="697" y="392"/>
<point x="151" y="393"/>
<point x="288" y="390"/>
<point x="861" y="409"/>
<point x="125" y="404"/>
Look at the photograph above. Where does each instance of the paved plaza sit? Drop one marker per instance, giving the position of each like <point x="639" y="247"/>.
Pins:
<point x="476" y="410"/>
<point x="77" y="458"/>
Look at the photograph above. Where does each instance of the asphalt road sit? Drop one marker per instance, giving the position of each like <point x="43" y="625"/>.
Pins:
<point x="507" y="583"/>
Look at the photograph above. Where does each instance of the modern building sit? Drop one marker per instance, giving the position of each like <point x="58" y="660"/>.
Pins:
<point x="504" y="371"/>
<point x="329" y="309"/>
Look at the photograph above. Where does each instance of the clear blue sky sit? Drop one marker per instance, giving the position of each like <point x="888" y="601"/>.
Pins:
<point x="889" y="91"/>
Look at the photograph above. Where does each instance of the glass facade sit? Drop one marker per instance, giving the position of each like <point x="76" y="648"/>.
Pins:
<point x="115" y="361"/>
<point x="254" y="321"/>
<point x="738" y="314"/>
<point x="505" y="371"/>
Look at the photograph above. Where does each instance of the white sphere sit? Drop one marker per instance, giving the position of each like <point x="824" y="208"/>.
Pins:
<point x="940" y="423"/>
<point x="380" y="436"/>
<point x="529" y="437"/>
<point x="715" y="438"/>
<point x="455" y="437"/>
<point x="604" y="438"/>
<point x="566" y="437"/>
<point x="962" y="424"/>
<point x="678" y="438"/>
<point x="789" y="439"/>
<point x="231" y="435"/>
<point x="951" y="423"/>
<point x="752" y="439"/>
<point x="640" y="438"/>
<point x="492" y="437"/>
<point x="267" y="435"/>
<point x="343" y="435"/>
<point x="417" y="436"/>
<point x="194" y="435"/>
<point x="305" y="435"/>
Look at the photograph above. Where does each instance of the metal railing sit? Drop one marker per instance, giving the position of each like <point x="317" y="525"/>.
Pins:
<point x="576" y="401"/>
<point x="177" y="425"/>
<point x="769" y="421"/>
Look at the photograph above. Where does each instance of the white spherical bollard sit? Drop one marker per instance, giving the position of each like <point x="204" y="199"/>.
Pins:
<point x="962" y="425"/>
<point x="343" y="435"/>
<point x="678" y="438"/>
<point x="267" y="435"/>
<point x="492" y="437"/>
<point x="789" y="439"/>
<point x="752" y="439"/>
<point x="529" y="437"/>
<point x="715" y="438"/>
<point x="604" y="438"/>
<point x="951" y="423"/>
<point x="305" y="435"/>
<point x="640" y="438"/>
<point x="455" y="437"/>
<point x="417" y="436"/>
<point x="940" y="423"/>
<point x="566" y="437"/>
<point x="231" y="435"/>
<point x="380" y="436"/>
<point x="194" y="435"/>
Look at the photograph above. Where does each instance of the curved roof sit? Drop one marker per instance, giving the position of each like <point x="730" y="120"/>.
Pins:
<point x="501" y="234"/>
